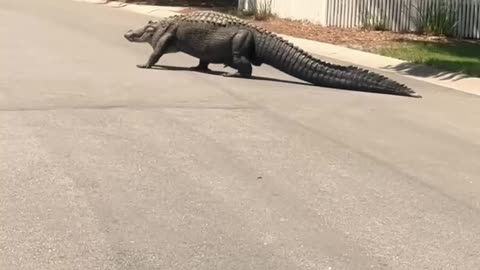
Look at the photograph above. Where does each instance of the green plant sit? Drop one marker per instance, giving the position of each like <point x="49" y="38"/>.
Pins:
<point x="376" y="23"/>
<point x="261" y="9"/>
<point x="237" y="12"/>
<point x="437" y="17"/>
<point x="454" y="56"/>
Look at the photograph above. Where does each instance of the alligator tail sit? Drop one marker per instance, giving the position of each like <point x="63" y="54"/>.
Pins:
<point x="277" y="52"/>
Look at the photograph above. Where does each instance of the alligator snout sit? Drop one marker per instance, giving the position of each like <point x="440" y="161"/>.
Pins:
<point x="128" y="35"/>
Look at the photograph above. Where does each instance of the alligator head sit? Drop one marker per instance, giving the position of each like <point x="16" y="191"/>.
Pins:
<point x="143" y="34"/>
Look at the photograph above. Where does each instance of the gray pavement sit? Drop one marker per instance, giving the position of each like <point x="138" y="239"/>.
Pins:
<point x="106" y="166"/>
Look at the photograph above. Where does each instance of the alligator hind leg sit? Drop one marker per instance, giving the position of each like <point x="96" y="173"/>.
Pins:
<point x="242" y="44"/>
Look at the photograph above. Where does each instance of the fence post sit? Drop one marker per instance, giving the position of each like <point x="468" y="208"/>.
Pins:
<point x="324" y="11"/>
<point x="241" y="4"/>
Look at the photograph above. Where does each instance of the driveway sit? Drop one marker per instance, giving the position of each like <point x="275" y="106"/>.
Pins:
<point x="107" y="166"/>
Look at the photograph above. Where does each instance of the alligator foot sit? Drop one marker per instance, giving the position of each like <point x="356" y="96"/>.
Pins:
<point x="233" y="75"/>
<point x="143" y="66"/>
<point x="200" y="69"/>
<point x="237" y="75"/>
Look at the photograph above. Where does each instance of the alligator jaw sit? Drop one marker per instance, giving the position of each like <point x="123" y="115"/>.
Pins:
<point x="129" y="35"/>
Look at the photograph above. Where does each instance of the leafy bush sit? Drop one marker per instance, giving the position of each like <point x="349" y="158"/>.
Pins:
<point x="263" y="10"/>
<point x="376" y="23"/>
<point x="438" y="17"/>
<point x="259" y="9"/>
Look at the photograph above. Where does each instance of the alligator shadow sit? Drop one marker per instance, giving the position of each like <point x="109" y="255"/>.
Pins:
<point x="260" y="78"/>
<point x="220" y="73"/>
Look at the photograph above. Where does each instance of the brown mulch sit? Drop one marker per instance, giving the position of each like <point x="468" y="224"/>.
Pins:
<point x="186" y="3"/>
<point x="362" y="39"/>
<point x="353" y="38"/>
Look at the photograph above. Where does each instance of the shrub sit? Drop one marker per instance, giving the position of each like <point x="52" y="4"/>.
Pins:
<point x="438" y="17"/>
<point x="259" y="9"/>
<point x="263" y="10"/>
<point x="374" y="23"/>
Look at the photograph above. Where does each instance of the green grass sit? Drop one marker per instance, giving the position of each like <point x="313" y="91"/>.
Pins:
<point x="455" y="56"/>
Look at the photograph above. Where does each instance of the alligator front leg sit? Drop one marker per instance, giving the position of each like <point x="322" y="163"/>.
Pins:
<point x="159" y="51"/>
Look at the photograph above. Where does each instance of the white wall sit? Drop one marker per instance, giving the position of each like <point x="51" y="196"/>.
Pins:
<point x="311" y="10"/>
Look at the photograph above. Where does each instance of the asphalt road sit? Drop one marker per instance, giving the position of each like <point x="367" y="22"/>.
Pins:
<point x="107" y="166"/>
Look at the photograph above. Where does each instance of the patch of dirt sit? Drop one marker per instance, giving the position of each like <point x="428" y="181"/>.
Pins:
<point x="225" y="9"/>
<point x="186" y="3"/>
<point x="362" y="39"/>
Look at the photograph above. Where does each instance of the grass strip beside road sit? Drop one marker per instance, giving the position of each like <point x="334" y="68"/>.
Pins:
<point x="451" y="56"/>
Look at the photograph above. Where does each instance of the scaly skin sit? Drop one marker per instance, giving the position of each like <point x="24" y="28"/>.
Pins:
<point x="214" y="37"/>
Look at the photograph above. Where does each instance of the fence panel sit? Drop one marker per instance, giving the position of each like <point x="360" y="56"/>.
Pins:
<point x="395" y="15"/>
<point x="403" y="15"/>
<point x="392" y="13"/>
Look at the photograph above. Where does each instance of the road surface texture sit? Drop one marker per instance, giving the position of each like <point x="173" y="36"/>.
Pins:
<point x="107" y="166"/>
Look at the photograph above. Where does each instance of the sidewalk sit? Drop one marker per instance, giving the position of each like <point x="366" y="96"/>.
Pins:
<point x="460" y="82"/>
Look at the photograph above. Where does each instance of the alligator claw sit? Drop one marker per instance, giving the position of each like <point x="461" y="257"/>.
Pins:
<point x="200" y="69"/>
<point x="234" y="74"/>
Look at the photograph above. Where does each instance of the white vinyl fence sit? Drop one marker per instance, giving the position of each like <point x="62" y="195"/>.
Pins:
<point x="395" y="15"/>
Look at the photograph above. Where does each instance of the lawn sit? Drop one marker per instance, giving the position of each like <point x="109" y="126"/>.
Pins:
<point x="451" y="56"/>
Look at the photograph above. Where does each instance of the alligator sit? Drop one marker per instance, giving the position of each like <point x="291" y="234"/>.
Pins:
<point x="218" y="38"/>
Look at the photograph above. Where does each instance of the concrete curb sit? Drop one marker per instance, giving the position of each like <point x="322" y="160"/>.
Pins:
<point x="455" y="81"/>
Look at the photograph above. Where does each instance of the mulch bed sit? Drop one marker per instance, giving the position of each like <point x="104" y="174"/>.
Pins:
<point x="353" y="38"/>
<point x="186" y="3"/>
